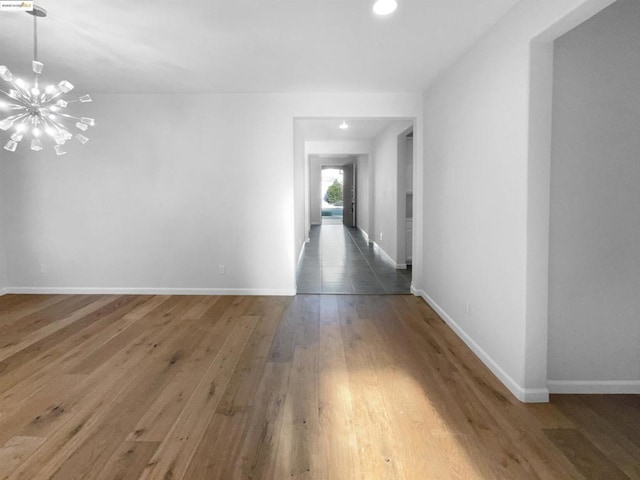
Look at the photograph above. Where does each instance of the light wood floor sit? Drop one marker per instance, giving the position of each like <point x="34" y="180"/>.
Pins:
<point x="311" y="387"/>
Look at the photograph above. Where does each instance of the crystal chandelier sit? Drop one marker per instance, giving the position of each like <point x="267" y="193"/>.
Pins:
<point x="37" y="113"/>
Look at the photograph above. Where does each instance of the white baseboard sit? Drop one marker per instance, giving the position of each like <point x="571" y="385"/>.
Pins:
<point x="527" y="395"/>
<point x="594" y="387"/>
<point x="380" y="250"/>
<point x="366" y="235"/>
<point x="304" y="244"/>
<point x="4" y="291"/>
<point x="285" y="292"/>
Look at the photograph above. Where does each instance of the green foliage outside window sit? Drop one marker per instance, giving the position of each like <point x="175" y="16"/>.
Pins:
<point x="334" y="193"/>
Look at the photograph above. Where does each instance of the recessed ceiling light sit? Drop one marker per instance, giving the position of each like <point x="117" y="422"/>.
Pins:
<point x="343" y="125"/>
<point x="385" y="7"/>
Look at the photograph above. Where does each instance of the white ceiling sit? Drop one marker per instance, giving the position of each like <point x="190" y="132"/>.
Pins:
<point x="328" y="129"/>
<point x="138" y="46"/>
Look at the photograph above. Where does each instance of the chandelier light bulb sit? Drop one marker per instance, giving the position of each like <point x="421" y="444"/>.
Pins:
<point x="343" y="125"/>
<point x="31" y="110"/>
<point x="385" y="7"/>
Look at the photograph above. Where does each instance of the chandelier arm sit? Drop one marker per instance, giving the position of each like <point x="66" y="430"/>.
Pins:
<point x="56" y="124"/>
<point x="24" y="92"/>
<point x="17" y="117"/>
<point x="69" y="116"/>
<point x="52" y="96"/>
<point x="48" y="122"/>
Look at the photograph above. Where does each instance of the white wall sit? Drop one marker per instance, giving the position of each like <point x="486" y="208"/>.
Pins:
<point x="300" y="178"/>
<point x="385" y="188"/>
<point x="594" y="265"/>
<point x="363" y="193"/>
<point x="169" y="188"/>
<point x="477" y="225"/>
<point x="3" y="233"/>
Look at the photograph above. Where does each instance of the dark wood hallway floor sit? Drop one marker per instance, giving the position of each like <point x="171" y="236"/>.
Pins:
<point x="309" y="387"/>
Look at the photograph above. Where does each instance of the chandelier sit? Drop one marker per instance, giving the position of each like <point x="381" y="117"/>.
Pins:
<point x="35" y="112"/>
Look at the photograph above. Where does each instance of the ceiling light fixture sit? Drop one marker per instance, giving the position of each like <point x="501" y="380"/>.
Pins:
<point x="385" y="7"/>
<point x="36" y="114"/>
<point x="343" y="125"/>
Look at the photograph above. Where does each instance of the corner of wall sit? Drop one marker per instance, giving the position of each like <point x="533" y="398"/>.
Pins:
<point x="526" y="395"/>
<point x="4" y="280"/>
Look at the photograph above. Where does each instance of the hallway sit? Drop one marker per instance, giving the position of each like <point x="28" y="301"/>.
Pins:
<point x="339" y="260"/>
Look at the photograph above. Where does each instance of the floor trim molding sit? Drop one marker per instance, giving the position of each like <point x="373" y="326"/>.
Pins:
<point x="4" y="291"/>
<point x="398" y="266"/>
<point x="527" y="395"/>
<point x="594" y="386"/>
<point x="366" y="235"/>
<point x="288" y="292"/>
<point x="304" y="244"/>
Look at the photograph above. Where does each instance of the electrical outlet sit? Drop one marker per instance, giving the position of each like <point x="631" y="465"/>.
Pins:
<point x="468" y="308"/>
<point x="43" y="268"/>
<point x="221" y="269"/>
<point x="380" y="236"/>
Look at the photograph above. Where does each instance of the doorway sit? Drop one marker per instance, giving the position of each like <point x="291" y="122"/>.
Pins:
<point x="332" y="195"/>
<point x="360" y="207"/>
<point x="338" y="190"/>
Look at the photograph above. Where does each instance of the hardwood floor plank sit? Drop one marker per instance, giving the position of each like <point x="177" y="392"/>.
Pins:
<point x="15" y="451"/>
<point x="609" y="435"/>
<point x="106" y="434"/>
<point x="35" y="364"/>
<point x="338" y="442"/>
<point x="94" y="397"/>
<point x="128" y="461"/>
<point x="39" y="317"/>
<point x="50" y="328"/>
<point x="310" y="387"/>
<point x="172" y="458"/>
<point x="36" y="417"/>
<point x="410" y="411"/>
<point x="590" y="461"/>
<point x="379" y="451"/>
<point x="16" y="307"/>
<point x="120" y="340"/>
<point x="285" y="338"/>
<point x="241" y="389"/>
<point x="165" y="410"/>
<point x="297" y="454"/>
<point x="255" y="456"/>
<point x="219" y="446"/>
